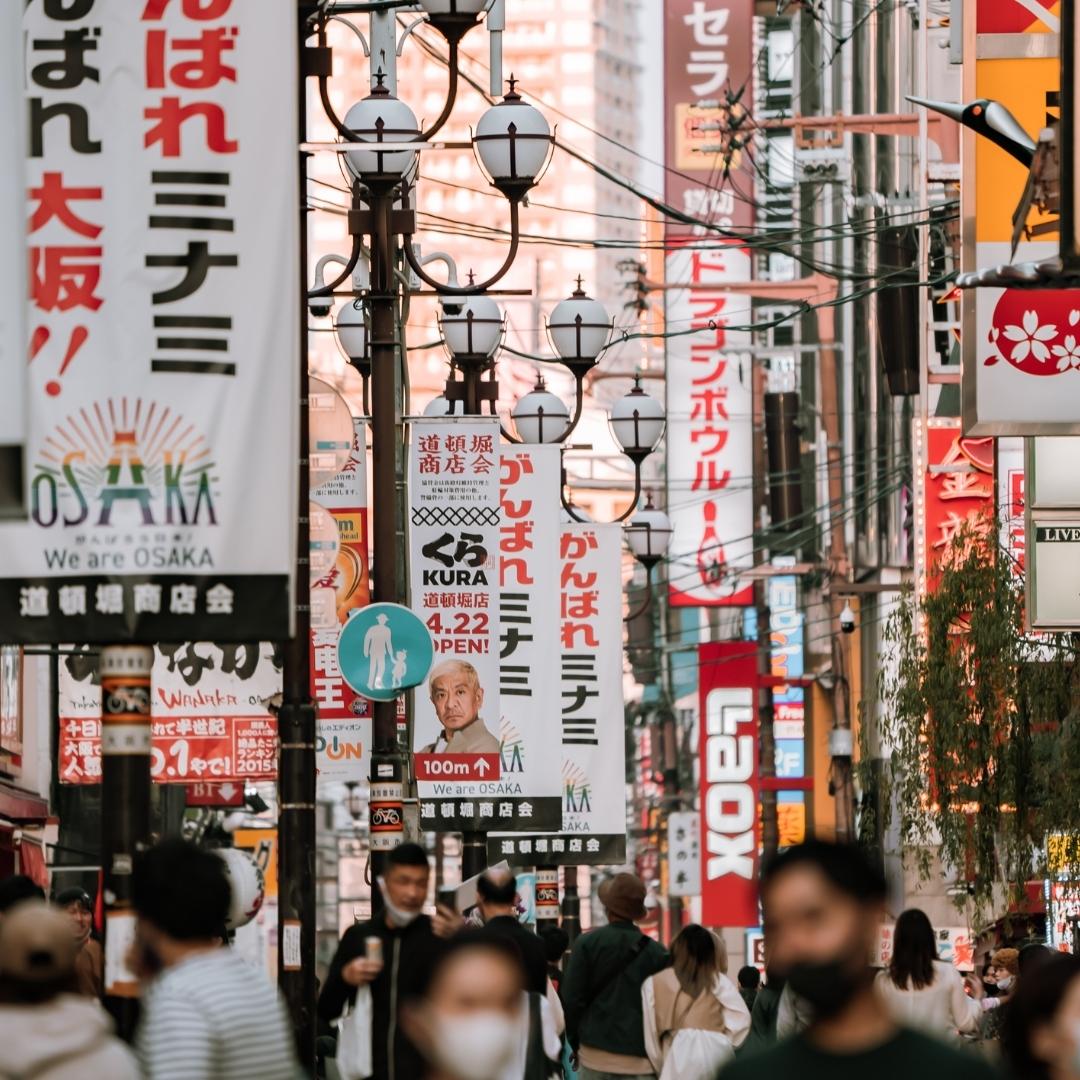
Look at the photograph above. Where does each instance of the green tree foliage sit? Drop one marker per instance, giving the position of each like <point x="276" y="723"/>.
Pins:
<point x="978" y="727"/>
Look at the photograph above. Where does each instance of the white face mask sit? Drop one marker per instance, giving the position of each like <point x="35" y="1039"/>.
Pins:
<point x="476" y="1046"/>
<point x="398" y="917"/>
<point x="1004" y="982"/>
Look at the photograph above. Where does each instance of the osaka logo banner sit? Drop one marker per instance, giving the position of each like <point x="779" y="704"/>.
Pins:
<point x="162" y="324"/>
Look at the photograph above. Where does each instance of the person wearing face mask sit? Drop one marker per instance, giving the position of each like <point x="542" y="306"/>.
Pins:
<point x="1041" y="1035"/>
<point x="1001" y="974"/>
<point x="922" y="991"/>
<point x="473" y="1021"/>
<point x="823" y="905"/>
<point x="410" y="944"/>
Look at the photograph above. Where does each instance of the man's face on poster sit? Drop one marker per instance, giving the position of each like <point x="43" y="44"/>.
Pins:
<point x="458" y="698"/>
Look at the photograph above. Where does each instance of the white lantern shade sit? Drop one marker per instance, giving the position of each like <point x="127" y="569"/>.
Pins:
<point x="381" y="117"/>
<point x="637" y="422"/>
<point x="453" y="7"/>
<point x="579" y="517"/>
<point x="476" y="329"/>
<point x="247" y="887"/>
<point x="541" y="417"/>
<point x="649" y="534"/>
<point x="513" y="142"/>
<point x="351" y="330"/>
<point x="579" y="328"/>
<point x="439" y="406"/>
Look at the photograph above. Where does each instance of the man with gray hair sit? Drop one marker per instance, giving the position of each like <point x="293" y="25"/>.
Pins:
<point x="458" y="697"/>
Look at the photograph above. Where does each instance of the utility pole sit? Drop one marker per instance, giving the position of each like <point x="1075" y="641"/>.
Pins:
<point x="571" y="904"/>
<point x="669" y="739"/>
<point x="125" y="805"/>
<point x="296" y="717"/>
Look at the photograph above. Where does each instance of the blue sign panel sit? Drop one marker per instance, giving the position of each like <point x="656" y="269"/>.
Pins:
<point x="384" y="650"/>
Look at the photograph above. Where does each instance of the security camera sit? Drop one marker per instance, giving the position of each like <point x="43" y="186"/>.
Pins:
<point x="847" y="619"/>
<point x="320" y="306"/>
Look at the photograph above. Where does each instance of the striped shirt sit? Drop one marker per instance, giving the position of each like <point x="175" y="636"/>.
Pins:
<point x="214" y="1017"/>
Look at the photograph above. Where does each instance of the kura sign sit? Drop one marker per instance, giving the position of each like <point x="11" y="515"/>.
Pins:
<point x="730" y="789"/>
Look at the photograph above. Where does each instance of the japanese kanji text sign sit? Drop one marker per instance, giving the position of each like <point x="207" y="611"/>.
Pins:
<point x="707" y="55"/>
<point x="163" y="323"/>
<point x="593" y="827"/>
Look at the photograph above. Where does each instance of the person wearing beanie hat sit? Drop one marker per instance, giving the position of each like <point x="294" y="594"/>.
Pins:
<point x="47" y="1030"/>
<point x="601" y="989"/>
<point x="90" y="962"/>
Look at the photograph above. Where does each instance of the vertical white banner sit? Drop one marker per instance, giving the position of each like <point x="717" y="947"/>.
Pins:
<point x="710" y="427"/>
<point x="454" y="520"/>
<point x="530" y="788"/>
<point x="163" y="324"/>
<point x="12" y="258"/>
<point x="593" y="718"/>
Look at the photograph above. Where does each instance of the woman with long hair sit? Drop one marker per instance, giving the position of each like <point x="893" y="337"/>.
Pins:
<point x="920" y="990"/>
<point x="694" y="1015"/>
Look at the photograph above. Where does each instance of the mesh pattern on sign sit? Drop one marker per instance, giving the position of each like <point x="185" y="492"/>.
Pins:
<point x="455" y="515"/>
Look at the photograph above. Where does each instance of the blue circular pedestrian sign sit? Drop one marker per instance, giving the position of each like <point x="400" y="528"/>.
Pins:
<point x="384" y="650"/>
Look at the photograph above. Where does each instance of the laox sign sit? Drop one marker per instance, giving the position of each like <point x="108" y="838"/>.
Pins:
<point x="729" y="784"/>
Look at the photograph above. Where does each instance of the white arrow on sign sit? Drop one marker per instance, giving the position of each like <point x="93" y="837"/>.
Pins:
<point x="227" y="791"/>
<point x="482" y="766"/>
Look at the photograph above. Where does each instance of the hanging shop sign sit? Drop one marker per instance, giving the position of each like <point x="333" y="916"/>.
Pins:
<point x="1021" y="356"/>
<point x="1053" y="478"/>
<point x="708" y="54"/>
<point x="162" y="418"/>
<point x="1053" y="571"/>
<point x="593" y="829"/>
<point x="789" y="709"/>
<point x="208" y="711"/>
<point x="454" y="518"/>
<point x="730" y="784"/>
<point x="954" y="490"/>
<point x="684" y="853"/>
<point x="343" y="742"/>
<point x="1010" y="499"/>
<point x="530" y="781"/>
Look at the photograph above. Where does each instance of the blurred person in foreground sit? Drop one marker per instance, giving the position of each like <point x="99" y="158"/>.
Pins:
<point x="823" y="905"/>
<point x="694" y="1015"/>
<point x="556" y="941"/>
<point x="17" y="888"/>
<point x="1041" y="1034"/>
<point x="921" y="991"/>
<point x="601" y="988"/>
<point x="410" y="943"/>
<point x="206" y="1013"/>
<point x="90" y="962"/>
<point x="473" y="1022"/>
<point x="749" y="983"/>
<point x="49" y="1031"/>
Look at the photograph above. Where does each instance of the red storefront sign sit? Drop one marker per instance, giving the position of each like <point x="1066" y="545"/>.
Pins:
<point x="730" y="783"/>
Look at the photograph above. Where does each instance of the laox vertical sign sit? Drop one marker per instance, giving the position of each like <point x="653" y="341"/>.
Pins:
<point x="730" y="788"/>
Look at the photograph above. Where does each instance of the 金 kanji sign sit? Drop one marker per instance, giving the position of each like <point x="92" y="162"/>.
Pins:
<point x="161" y="212"/>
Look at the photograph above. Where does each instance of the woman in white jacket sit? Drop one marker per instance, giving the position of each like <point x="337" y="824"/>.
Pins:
<point x="921" y="991"/>
<point x="694" y="1015"/>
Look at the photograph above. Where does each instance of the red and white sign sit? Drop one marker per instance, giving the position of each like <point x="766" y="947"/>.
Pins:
<point x="730" y="786"/>
<point x="208" y="710"/>
<point x="211" y="793"/>
<point x="1010" y="497"/>
<point x="457" y="767"/>
<point x="708" y="53"/>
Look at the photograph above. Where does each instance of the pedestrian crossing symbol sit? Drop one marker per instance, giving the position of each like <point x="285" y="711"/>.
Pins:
<point x="384" y="650"/>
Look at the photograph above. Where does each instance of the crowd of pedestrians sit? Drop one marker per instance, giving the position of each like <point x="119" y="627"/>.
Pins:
<point x="417" y="996"/>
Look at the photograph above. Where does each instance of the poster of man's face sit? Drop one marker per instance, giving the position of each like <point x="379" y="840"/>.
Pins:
<point x="456" y="694"/>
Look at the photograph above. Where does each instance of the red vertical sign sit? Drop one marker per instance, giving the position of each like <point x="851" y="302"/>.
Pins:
<point x="730" y="784"/>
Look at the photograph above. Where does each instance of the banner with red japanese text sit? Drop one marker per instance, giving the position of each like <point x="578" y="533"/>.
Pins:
<point x="1010" y="499"/>
<point x="12" y="260"/>
<point x="208" y="711"/>
<point x="708" y="56"/>
<point x="954" y="489"/>
<point x="730" y="783"/>
<point x="343" y="742"/>
<point x="163" y="324"/>
<point x="594" y="811"/>
<point x="529" y="794"/>
<point x="454" y="518"/>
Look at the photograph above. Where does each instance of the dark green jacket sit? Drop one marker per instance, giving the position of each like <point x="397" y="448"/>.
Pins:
<point x="762" y="1021"/>
<point x="601" y="989"/>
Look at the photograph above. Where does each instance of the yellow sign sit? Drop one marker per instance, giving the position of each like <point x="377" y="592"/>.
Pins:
<point x="791" y="819"/>
<point x="1028" y="88"/>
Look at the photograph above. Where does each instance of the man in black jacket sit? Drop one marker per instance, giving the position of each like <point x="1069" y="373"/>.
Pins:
<point x="496" y="894"/>
<point x="410" y="945"/>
